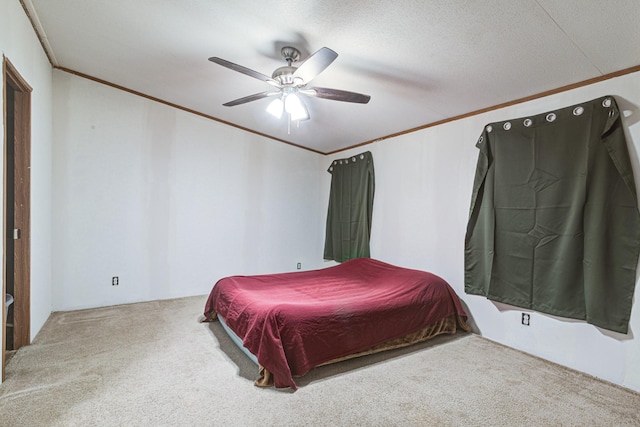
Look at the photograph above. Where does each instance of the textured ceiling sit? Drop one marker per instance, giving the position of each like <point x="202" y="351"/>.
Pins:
<point x="420" y="61"/>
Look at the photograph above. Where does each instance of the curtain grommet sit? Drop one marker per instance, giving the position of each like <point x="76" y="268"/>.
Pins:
<point x="606" y="102"/>
<point x="578" y="111"/>
<point x="489" y="128"/>
<point x="506" y="126"/>
<point x="551" y="117"/>
<point x="527" y="122"/>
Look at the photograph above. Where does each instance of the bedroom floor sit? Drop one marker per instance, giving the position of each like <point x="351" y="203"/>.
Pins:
<point x="158" y="365"/>
<point x="8" y="355"/>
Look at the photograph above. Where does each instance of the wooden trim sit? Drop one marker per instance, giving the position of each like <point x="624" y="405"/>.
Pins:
<point x="393" y="135"/>
<point x="39" y="32"/>
<point x="13" y="77"/>
<point x="498" y="106"/>
<point x="3" y="332"/>
<point x="179" y="107"/>
<point x="21" y="204"/>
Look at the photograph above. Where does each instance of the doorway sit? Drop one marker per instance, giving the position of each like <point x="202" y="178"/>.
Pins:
<point x="17" y="208"/>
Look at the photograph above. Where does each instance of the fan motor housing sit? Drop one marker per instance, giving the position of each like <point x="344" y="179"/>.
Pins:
<point x="284" y="75"/>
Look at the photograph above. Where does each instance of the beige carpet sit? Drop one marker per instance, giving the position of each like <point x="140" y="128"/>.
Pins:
<point x="154" y="364"/>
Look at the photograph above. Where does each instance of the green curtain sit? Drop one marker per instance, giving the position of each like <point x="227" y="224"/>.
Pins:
<point x="554" y="223"/>
<point x="350" y="208"/>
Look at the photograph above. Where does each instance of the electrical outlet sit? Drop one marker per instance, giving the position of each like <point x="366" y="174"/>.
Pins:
<point x="115" y="281"/>
<point x="299" y="266"/>
<point x="526" y="317"/>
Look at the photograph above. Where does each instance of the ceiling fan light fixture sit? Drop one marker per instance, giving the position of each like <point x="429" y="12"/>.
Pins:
<point x="295" y="107"/>
<point x="291" y="82"/>
<point x="275" y="108"/>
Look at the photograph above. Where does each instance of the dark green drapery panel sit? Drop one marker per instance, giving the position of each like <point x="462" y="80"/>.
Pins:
<point x="554" y="223"/>
<point x="350" y="208"/>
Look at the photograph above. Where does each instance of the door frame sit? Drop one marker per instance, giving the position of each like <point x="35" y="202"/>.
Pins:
<point x="12" y="80"/>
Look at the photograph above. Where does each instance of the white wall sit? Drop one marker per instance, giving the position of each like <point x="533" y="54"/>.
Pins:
<point x="18" y="42"/>
<point x="168" y="201"/>
<point x="423" y="192"/>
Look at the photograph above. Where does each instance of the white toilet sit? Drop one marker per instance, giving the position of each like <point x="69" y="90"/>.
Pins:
<point x="8" y="300"/>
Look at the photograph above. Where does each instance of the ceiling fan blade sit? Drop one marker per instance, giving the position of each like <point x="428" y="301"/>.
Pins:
<point x="244" y="70"/>
<point x="315" y="64"/>
<point x="336" y="95"/>
<point x="250" y="98"/>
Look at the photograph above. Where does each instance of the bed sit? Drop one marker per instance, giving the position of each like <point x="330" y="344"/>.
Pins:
<point x="292" y="322"/>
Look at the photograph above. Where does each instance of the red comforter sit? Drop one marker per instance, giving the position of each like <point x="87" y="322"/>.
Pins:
<point x="294" y="321"/>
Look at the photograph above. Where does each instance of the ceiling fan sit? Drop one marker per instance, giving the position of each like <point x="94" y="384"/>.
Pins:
<point x="290" y="81"/>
